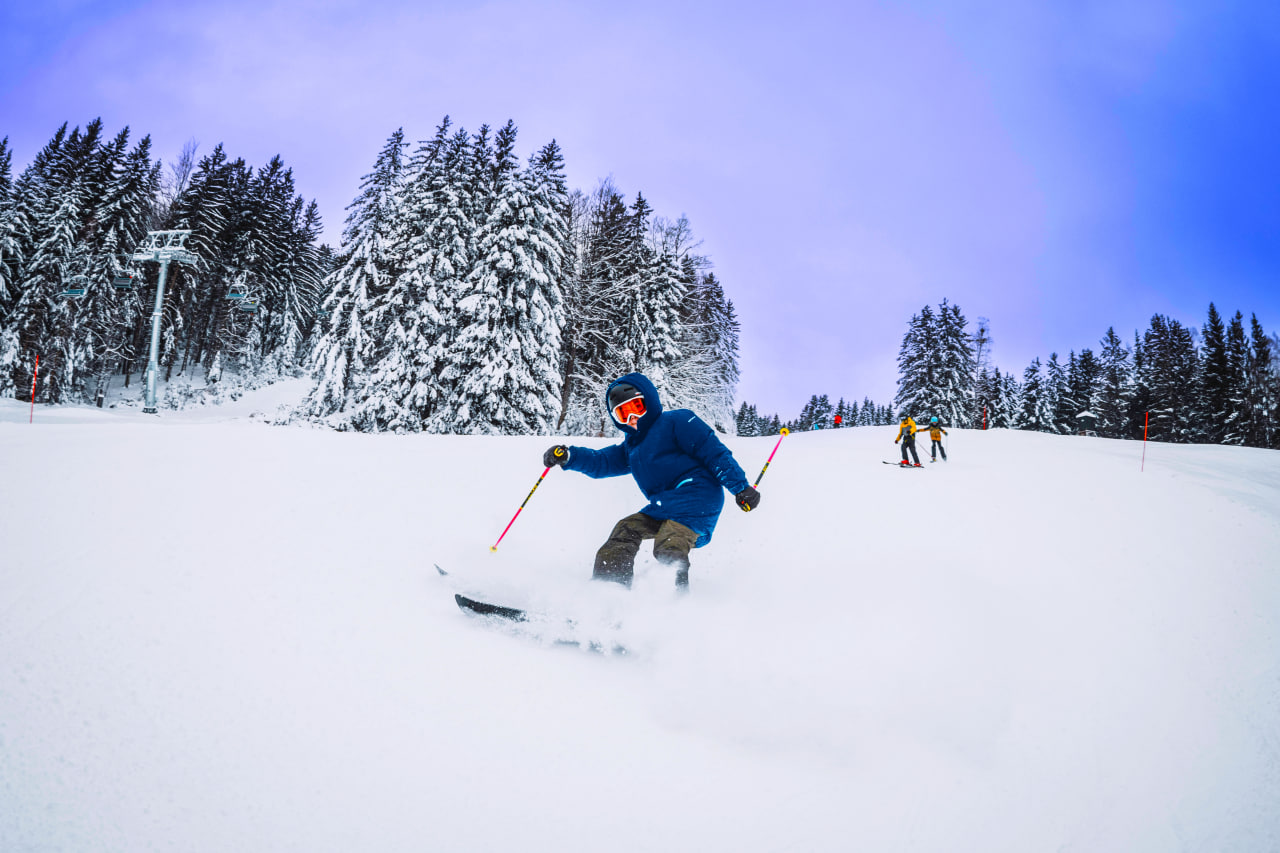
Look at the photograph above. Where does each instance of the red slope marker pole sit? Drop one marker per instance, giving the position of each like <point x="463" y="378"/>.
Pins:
<point x="785" y="433"/>
<point x="1145" y="420"/>
<point x="32" y="419"/>
<point x="494" y="546"/>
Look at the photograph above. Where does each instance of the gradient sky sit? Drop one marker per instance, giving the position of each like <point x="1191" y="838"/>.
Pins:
<point x="1056" y="167"/>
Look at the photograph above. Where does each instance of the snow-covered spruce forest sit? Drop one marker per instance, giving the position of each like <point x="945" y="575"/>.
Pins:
<point x="1216" y="385"/>
<point x="72" y="219"/>
<point x="472" y="293"/>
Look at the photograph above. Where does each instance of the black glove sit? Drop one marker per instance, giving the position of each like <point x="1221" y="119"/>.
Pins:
<point x="557" y="455"/>
<point x="748" y="499"/>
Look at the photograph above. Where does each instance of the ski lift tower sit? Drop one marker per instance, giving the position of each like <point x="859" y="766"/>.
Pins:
<point x="162" y="247"/>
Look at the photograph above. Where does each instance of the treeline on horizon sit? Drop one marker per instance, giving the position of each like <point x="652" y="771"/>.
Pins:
<point x="476" y="294"/>
<point x="1219" y="384"/>
<point x="69" y="224"/>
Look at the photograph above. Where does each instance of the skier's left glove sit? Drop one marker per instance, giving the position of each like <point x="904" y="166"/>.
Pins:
<point x="748" y="499"/>
<point x="557" y="455"/>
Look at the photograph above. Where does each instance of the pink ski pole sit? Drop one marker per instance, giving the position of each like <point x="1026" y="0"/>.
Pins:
<point x="494" y="546"/>
<point x="784" y="434"/>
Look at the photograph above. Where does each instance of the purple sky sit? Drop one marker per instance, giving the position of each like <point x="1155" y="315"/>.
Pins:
<point x="1054" y="167"/>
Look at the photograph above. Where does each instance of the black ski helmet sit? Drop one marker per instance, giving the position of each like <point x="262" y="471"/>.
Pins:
<point x="621" y="393"/>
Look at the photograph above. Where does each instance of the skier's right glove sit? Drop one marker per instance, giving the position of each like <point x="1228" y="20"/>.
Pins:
<point x="748" y="499"/>
<point x="557" y="455"/>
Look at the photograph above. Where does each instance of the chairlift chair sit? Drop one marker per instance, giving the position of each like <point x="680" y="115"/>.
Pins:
<point x="238" y="291"/>
<point x="248" y="304"/>
<point x="75" y="288"/>
<point x="123" y="281"/>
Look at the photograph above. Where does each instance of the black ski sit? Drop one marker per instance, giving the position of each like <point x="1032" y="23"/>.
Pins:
<point x="485" y="609"/>
<point x="516" y="615"/>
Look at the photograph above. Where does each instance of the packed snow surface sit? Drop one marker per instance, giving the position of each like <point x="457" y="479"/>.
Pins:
<point x="218" y="634"/>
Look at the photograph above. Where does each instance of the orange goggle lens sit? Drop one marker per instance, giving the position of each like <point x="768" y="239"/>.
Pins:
<point x="624" y="412"/>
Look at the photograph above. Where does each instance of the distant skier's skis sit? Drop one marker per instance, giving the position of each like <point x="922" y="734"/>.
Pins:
<point x="900" y="465"/>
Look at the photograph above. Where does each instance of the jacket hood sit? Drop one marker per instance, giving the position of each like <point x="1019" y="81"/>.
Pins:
<point x="652" y="404"/>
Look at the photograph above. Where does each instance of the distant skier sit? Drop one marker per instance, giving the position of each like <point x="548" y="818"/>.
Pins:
<point x="936" y="432"/>
<point x="907" y="435"/>
<point x="679" y="464"/>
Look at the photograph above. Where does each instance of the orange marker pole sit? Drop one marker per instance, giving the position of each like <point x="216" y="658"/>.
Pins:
<point x="33" y="390"/>
<point x="1145" y="420"/>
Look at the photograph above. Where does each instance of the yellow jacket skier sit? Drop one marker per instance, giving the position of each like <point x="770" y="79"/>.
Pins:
<point x="907" y="435"/>
<point x="936" y="432"/>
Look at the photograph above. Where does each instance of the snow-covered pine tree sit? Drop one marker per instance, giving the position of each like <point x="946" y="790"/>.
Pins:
<point x="119" y="222"/>
<point x="344" y="352"/>
<point x="592" y="313"/>
<point x="1171" y="368"/>
<point x="432" y="238"/>
<point x="916" y="365"/>
<point x="47" y="322"/>
<point x="1213" y="379"/>
<point x="30" y="200"/>
<point x="747" y="421"/>
<point x="10" y="266"/>
<point x="1137" y="392"/>
<point x="10" y="250"/>
<point x="1111" y="401"/>
<point x="1081" y="389"/>
<point x="1008" y="404"/>
<point x="1055" y="390"/>
<point x="954" y="396"/>
<point x="650" y="295"/>
<point x="502" y="368"/>
<point x="1035" y="413"/>
<point x="705" y="376"/>
<point x="206" y="207"/>
<point x="808" y="414"/>
<point x="1237" y="387"/>
<point x="1262" y="381"/>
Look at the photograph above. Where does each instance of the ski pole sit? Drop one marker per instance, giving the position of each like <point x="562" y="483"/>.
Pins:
<point x="494" y="546"/>
<point x="784" y="434"/>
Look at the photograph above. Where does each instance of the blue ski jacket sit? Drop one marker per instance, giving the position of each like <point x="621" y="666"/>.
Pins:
<point x="676" y="459"/>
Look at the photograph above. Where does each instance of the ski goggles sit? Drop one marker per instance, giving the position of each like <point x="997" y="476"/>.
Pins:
<point x="629" y="411"/>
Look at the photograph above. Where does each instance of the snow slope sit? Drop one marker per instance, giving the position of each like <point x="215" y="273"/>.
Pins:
<point x="217" y="635"/>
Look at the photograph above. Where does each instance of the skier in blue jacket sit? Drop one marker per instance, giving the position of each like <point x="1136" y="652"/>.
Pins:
<point x="679" y="464"/>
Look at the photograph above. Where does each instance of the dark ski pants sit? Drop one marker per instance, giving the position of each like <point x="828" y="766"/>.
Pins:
<point x="937" y="448"/>
<point x="672" y="542"/>
<point x="909" y="443"/>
